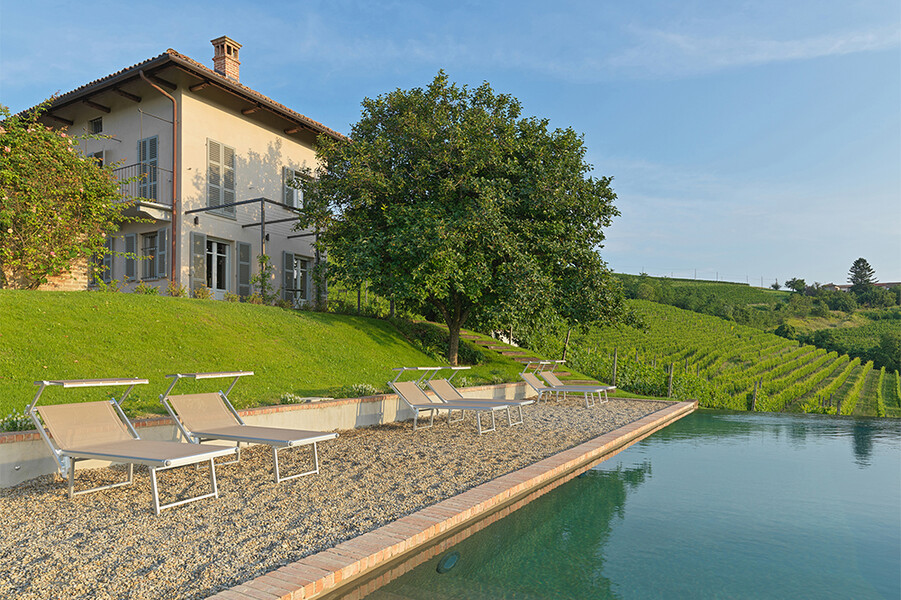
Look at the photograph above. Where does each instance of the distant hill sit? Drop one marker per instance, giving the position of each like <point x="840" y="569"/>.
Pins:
<point x="737" y="302"/>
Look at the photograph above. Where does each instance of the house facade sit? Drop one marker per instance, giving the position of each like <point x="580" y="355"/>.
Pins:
<point x="209" y="162"/>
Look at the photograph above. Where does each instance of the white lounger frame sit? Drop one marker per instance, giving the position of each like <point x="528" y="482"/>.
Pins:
<point x="276" y="446"/>
<point x="66" y="460"/>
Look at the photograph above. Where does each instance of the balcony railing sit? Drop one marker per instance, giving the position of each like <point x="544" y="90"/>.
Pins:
<point x="145" y="182"/>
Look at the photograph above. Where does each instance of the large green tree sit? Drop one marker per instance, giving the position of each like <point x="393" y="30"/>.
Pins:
<point x="56" y="205"/>
<point x="445" y="197"/>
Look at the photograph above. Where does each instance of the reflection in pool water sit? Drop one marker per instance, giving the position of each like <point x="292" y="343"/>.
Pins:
<point x="718" y="504"/>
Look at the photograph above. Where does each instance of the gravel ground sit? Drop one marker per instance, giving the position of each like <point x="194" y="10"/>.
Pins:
<point x="109" y="544"/>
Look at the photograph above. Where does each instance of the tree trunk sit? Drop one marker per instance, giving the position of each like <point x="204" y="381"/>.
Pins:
<point x="566" y="343"/>
<point x="453" y="345"/>
<point x="454" y="317"/>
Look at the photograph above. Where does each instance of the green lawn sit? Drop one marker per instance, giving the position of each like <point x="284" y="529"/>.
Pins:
<point x="81" y="335"/>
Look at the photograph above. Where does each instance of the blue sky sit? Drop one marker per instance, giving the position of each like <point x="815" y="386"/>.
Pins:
<point x="748" y="141"/>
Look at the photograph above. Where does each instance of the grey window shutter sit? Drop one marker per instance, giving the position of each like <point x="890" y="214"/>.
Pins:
<point x="287" y="276"/>
<point x="287" y="177"/>
<point x="228" y="178"/>
<point x="214" y="173"/>
<point x="148" y="157"/>
<point x="162" y="252"/>
<point x="131" y="247"/>
<point x="107" y="274"/>
<point x="244" y="269"/>
<point x="198" y="260"/>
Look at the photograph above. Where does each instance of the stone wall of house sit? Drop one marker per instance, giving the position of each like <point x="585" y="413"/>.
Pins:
<point x="75" y="280"/>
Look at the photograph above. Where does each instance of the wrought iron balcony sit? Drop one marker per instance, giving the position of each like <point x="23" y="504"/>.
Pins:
<point x="145" y="183"/>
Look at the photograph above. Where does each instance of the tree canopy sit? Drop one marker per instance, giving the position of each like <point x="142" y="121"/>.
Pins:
<point x="56" y="205"/>
<point x="446" y="198"/>
<point x="796" y="284"/>
<point x="861" y="276"/>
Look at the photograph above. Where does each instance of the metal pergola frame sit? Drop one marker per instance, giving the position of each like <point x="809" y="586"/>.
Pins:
<point x="263" y="222"/>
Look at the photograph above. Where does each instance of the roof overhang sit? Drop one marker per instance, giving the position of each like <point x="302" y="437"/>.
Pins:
<point x="153" y="69"/>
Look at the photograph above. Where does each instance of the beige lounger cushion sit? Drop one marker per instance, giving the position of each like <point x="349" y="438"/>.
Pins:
<point x="202" y="412"/>
<point x="84" y="424"/>
<point x="411" y="391"/>
<point x="443" y="388"/>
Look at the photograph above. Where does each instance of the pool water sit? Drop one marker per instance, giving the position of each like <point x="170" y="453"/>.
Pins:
<point x="716" y="505"/>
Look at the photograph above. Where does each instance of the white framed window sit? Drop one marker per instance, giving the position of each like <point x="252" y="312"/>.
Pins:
<point x="95" y="125"/>
<point x="291" y="196"/>
<point x="295" y="278"/>
<point x="153" y="254"/>
<point x="220" y="176"/>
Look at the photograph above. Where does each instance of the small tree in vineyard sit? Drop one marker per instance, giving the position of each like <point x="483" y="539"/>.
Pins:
<point x="861" y="276"/>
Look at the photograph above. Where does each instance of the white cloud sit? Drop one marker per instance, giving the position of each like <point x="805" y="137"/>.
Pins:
<point x="657" y="52"/>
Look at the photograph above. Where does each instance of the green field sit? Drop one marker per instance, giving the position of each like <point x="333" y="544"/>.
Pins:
<point x="82" y="335"/>
<point x="721" y="364"/>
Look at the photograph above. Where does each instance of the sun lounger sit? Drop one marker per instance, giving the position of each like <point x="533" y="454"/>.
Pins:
<point x="100" y="430"/>
<point x="420" y="402"/>
<point x="588" y="391"/>
<point x="211" y="416"/>
<point x="446" y="391"/>
<point x="555" y="382"/>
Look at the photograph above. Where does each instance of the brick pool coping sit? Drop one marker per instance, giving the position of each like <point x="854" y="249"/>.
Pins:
<point x="351" y="560"/>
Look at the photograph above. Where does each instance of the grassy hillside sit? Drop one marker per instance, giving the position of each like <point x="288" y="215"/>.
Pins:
<point x="720" y="363"/>
<point x="81" y="335"/>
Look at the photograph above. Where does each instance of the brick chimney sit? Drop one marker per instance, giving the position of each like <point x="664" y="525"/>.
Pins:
<point x="225" y="57"/>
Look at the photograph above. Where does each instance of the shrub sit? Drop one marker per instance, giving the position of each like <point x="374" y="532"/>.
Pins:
<point x="57" y="204"/>
<point x="114" y="285"/>
<point x="203" y="293"/>
<point x="16" y="421"/>
<point x="357" y="390"/>
<point x="254" y="298"/>
<point x="229" y="297"/>
<point x="176" y="291"/>
<point x="787" y="331"/>
<point x="289" y="398"/>
<point x="147" y="290"/>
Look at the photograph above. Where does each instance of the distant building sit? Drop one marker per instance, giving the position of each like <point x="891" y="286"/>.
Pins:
<point x="198" y="141"/>
<point x="846" y="287"/>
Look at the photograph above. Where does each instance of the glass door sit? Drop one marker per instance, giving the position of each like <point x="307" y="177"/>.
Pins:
<point x="217" y="268"/>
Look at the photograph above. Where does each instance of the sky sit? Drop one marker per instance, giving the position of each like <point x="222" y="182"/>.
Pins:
<point x="747" y="141"/>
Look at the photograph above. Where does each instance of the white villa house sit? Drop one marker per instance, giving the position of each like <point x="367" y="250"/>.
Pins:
<point x="212" y="159"/>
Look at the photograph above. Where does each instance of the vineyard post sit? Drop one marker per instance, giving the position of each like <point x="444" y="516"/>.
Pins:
<point x="669" y="387"/>
<point x="615" y="357"/>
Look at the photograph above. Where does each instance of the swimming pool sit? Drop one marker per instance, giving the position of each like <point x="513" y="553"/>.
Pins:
<point x="724" y="505"/>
